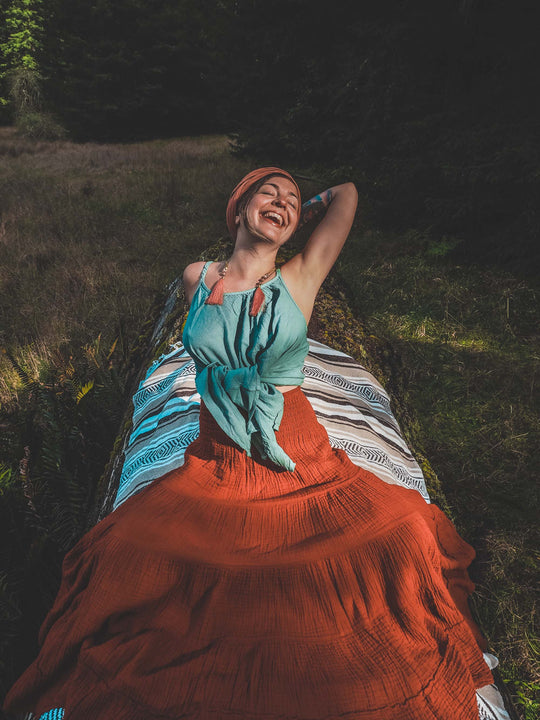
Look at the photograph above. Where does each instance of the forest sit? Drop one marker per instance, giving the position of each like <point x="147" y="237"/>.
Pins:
<point x="117" y="119"/>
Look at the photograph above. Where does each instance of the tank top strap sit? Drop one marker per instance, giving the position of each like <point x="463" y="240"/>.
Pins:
<point x="204" y="271"/>
<point x="200" y="290"/>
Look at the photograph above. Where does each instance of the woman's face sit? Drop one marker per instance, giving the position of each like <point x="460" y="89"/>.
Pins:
<point x="272" y="213"/>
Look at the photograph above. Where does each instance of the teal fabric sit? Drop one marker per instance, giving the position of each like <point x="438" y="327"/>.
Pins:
<point x="240" y="359"/>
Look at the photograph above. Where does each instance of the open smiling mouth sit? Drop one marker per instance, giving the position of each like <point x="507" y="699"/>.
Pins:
<point x="273" y="217"/>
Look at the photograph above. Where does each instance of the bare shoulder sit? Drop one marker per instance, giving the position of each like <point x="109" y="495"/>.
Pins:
<point x="191" y="276"/>
<point x="193" y="272"/>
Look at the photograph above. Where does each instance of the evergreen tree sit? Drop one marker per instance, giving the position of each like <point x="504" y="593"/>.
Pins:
<point x="130" y="68"/>
<point x="20" y="48"/>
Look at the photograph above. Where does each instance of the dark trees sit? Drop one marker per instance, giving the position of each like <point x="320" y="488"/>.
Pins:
<point x="129" y="69"/>
<point x="432" y="108"/>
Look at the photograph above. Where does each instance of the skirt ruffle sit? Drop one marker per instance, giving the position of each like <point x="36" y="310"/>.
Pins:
<point x="233" y="589"/>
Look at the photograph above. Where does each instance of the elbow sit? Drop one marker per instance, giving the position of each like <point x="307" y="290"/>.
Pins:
<point x="350" y="195"/>
<point x="347" y="190"/>
<point x="351" y="188"/>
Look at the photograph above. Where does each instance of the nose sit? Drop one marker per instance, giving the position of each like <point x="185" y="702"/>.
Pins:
<point x="281" y="201"/>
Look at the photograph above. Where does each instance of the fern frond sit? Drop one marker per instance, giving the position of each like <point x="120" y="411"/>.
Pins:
<point x="25" y="378"/>
<point x="85" y="389"/>
<point x="5" y="475"/>
<point x="113" y="348"/>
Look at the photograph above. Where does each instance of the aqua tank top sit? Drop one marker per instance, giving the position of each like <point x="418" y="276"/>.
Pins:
<point x="239" y="359"/>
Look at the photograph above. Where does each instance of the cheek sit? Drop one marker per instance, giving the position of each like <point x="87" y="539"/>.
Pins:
<point x="252" y="210"/>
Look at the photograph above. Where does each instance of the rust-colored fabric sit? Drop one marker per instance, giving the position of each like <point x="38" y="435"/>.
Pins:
<point x="228" y="590"/>
<point x="244" y="185"/>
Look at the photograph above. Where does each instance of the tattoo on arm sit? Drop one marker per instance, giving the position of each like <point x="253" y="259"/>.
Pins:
<point x="315" y="206"/>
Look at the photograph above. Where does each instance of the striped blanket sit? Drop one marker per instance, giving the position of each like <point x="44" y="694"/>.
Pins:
<point x="348" y="401"/>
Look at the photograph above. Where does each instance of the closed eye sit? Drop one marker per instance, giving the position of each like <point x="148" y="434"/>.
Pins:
<point x="271" y="190"/>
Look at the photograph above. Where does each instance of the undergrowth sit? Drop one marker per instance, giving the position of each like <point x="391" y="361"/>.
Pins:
<point x="54" y="443"/>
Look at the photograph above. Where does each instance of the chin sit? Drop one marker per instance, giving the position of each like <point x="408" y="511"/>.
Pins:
<point x="259" y="235"/>
<point x="278" y="240"/>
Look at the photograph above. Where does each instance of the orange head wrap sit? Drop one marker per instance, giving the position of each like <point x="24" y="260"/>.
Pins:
<point x="244" y="185"/>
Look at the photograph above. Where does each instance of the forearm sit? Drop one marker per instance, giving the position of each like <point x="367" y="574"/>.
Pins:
<point x="318" y="205"/>
<point x="315" y="206"/>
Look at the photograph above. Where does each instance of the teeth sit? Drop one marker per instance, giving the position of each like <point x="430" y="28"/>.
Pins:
<point x="274" y="216"/>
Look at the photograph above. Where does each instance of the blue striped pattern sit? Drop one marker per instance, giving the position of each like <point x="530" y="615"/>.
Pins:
<point x="56" y="714"/>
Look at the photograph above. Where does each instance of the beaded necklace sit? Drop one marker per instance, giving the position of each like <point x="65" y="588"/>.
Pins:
<point x="218" y="290"/>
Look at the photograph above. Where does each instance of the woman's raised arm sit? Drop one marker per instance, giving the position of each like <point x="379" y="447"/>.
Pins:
<point x="307" y="270"/>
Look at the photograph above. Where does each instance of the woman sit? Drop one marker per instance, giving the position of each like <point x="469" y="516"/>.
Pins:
<point x="268" y="577"/>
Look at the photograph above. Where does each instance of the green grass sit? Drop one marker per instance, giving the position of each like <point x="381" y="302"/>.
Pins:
<point x="90" y="235"/>
<point x="469" y="349"/>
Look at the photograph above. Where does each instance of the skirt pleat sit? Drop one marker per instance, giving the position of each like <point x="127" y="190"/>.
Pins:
<point x="234" y="589"/>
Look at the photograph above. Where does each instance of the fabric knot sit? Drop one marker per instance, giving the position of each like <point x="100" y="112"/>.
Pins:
<point x="247" y="409"/>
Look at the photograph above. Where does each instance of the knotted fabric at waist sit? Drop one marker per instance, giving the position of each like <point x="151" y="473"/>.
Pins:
<point x="246" y="406"/>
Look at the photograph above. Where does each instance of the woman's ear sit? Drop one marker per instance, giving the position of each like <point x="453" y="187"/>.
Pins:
<point x="237" y="220"/>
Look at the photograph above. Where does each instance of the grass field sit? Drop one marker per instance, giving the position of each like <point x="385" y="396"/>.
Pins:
<point x="90" y="235"/>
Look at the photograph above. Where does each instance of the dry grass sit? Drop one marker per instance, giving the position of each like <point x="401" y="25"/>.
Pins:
<point x="90" y="233"/>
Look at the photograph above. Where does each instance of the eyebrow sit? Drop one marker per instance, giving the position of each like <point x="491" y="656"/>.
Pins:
<point x="277" y="188"/>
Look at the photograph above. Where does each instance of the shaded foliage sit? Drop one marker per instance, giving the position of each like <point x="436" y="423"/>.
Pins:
<point x="129" y="68"/>
<point x="430" y="107"/>
<point x="21" y="35"/>
<point x="60" y="430"/>
<point x="22" y="24"/>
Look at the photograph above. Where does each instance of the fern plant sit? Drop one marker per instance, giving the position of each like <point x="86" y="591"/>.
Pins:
<point x="53" y="447"/>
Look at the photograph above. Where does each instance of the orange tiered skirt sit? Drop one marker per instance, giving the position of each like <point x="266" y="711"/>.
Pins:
<point x="228" y="590"/>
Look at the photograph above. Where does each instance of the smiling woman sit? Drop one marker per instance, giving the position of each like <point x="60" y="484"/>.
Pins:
<point x="268" y="576"/>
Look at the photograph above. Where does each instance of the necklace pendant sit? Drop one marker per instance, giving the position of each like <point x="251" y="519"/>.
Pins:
<point x="218" y="291"/>
<point x="257" y="301"/>
<point x="216" y="294"/>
